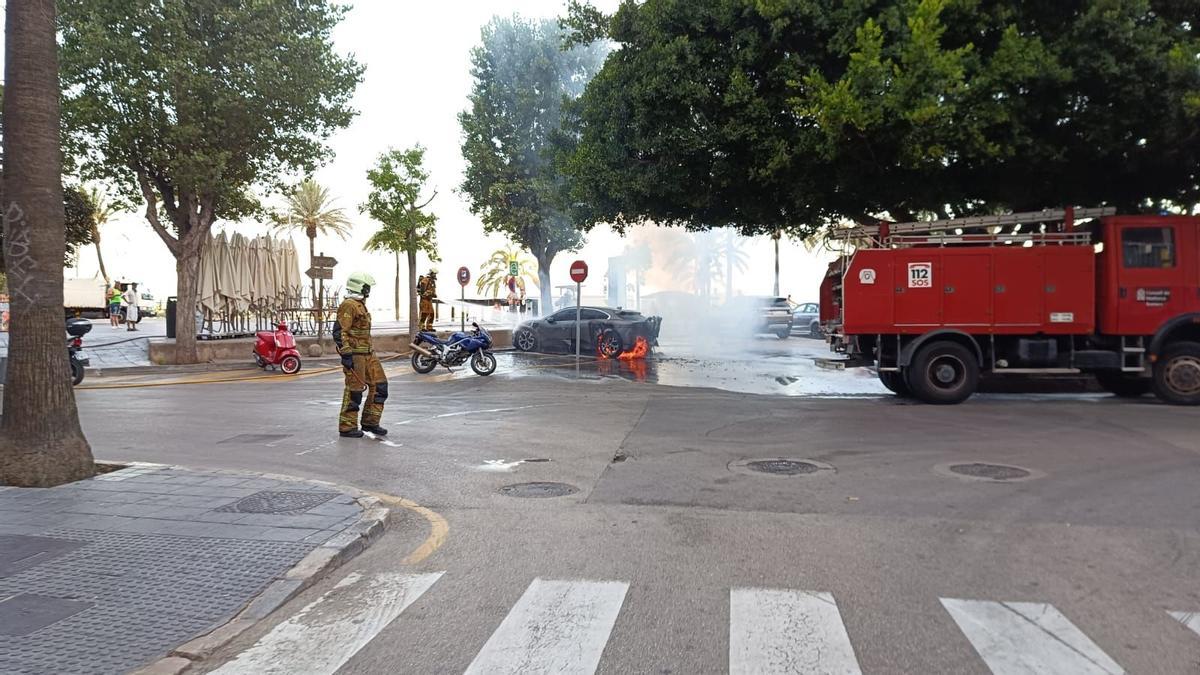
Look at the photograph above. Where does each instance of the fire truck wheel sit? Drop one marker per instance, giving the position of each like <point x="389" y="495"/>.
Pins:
<point x="894" y="382"/>
<point x="943" y="373"/>
<point x="1177" y="374"/>
<point x="1123" y="385"/>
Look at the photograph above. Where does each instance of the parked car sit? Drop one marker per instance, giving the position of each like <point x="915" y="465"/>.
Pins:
<point x="806" y="320"/>
<point x="765" y="314"/>
<point x="604" y="330"/>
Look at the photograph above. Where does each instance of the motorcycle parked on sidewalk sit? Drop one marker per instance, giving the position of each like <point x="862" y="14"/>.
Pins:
<point x="430" y="351"/>
<point x="277" y="348"/>
<point x="76" y="329"/>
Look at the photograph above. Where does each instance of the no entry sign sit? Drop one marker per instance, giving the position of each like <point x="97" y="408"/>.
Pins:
<point x="464" y="276"/>
<point x="579" y="271"/>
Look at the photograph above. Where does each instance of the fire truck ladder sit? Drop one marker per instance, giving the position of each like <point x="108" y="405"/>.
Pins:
<point x="1133" y="353"/>
<point x="988" y="230"/>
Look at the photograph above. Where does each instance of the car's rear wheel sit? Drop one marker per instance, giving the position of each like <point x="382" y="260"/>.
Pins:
<point x="783" y="333"/>
<point x="1177" y="374"/>
<point x="943" y="372"/>
<point x="1124" y="385"/>
<point x="525" y="340"/>
<point x="814" y="331"/>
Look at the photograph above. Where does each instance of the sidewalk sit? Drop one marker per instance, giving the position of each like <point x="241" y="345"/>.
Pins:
<point x="109" y="574"/>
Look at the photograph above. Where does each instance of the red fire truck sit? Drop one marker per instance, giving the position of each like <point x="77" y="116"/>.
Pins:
<point x="932" y="305"/>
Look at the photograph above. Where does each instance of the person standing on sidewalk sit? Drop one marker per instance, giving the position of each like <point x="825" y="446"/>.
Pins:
<point x="114" y="306"/>
<point x="428" y="293"/>
<point x="131" y="309"/>
<point x="364" y="372"/>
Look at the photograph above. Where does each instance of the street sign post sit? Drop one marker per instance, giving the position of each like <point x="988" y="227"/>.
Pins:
<point x="464" y="278"/>
<point x="579" y="272"/>
<point x="322" y="269"/>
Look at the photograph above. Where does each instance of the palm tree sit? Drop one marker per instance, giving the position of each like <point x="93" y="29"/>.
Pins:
<point x="41" y="442"/>
<point x="734" y="257"/>
<point x="103" y="210"/>
<point x="310" y="208"/>
<point x="701" y="256"/>
<point x="493" y="274"/>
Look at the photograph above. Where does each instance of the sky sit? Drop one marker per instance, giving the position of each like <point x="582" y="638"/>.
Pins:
<point x="417" y="58"/>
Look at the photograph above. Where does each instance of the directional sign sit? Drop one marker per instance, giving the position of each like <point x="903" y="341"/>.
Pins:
<point x="579" y="271"/>
<point x="513" y="268"/>
<point x="464" y="276"/>
<point x="324" y="261"/>
<point x="320" y="273"/>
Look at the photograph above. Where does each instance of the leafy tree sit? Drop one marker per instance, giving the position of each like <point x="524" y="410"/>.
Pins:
<point x="779" y="116"/>
<point x="102" y="209"/>
<point x="493" y="274"/>
<point x="310" y="208"/>
<point x="41" y="443"/>
<point x="511" y="134"/>
<point x="396" y="184"/>
<point x="189" y="107"/>
<point x="79" y="217"/>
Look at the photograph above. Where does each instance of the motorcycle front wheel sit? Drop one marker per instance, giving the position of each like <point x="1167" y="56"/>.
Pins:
<point x="423" y="364"/>
<point x="483" y="363"/>
<point x="76" y="372"/>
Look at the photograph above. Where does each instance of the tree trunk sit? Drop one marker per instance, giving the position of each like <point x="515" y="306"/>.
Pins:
<point x="776" y="238"/>
<point x="100" y="256"/>
<point x="397" y="289"/>
<point x="544" y="259"/>
<point x="412" y="293"/>
<point x="187" y="270"/>
<point x="41" y="443"/>
<point x="312" y="253"/>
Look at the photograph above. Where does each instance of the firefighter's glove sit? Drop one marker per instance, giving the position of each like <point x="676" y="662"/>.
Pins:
<point x="348" y="361"/>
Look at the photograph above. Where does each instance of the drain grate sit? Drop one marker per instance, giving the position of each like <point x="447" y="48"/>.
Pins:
<point x="253" y="439"/>
<point x="782" y="467"/>
<point x="281" y="502"/>
<point x="538" y="490"/>
<point x="989" y="471"/>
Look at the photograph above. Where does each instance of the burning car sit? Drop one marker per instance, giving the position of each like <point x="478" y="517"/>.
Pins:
<point x="607" y="332"/>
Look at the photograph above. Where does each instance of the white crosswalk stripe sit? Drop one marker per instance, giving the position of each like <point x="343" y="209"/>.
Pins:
<point x="556" y="627"/>
<point x="324" y="635"/>
<point x="1189" y="619"/>
<point x="782" y="631"/>
<point x="1022" y="638"/>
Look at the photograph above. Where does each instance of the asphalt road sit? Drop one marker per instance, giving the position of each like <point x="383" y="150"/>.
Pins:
<point x="674" y="555"/>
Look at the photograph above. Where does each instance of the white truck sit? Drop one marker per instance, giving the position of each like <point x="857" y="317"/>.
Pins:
<point x="85" y="296"/>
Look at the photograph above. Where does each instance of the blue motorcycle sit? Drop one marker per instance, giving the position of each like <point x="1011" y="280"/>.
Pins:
<point x="431" y="351"/>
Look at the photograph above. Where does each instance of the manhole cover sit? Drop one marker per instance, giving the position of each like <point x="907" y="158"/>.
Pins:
<point x="278" y="502"/>
<point x="988" y="472"/>
<point x="780" y="466"/>
<point x="538" y="490"/>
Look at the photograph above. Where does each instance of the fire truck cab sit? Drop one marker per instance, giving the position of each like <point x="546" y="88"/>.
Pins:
<point x="932" y="305"/>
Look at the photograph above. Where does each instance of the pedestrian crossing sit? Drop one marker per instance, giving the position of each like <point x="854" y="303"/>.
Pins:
<point x="564" y="626"/>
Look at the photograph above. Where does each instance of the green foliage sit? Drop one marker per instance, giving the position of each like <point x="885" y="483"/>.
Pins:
<point x="309" y="208"/>
<point x="493" y="274"/>
<point x="397" y="181"/>
<point x="201" y="102"/>
<point x="80" y="214"/>
<point x="791" y="114"/>
<point x="512" y="131"/>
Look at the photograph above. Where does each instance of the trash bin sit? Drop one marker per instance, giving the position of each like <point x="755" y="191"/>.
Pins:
<point x="171" y="310"/>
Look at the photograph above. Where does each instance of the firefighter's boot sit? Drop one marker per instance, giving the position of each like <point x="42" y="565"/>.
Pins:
<point x="352" y="433"/>
<point x="375" y="429"/>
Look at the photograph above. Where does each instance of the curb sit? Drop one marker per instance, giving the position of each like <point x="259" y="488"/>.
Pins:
<point x="329" y="556"/>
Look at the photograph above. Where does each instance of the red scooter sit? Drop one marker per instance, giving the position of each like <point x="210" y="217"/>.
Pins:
<point x="277" y="348"/>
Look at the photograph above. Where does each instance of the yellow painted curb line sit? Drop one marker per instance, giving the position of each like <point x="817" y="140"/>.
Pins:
<point x="438" y="527"/>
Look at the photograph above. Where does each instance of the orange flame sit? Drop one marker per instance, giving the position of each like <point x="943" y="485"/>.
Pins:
<point x="641" y="347"/>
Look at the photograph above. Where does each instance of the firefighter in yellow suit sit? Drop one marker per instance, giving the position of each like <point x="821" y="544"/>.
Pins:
<point x="366" y="385"/>
<point x="427" y="290"/>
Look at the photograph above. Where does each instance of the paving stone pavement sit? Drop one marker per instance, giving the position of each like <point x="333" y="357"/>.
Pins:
<point x="105" y="575"/>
